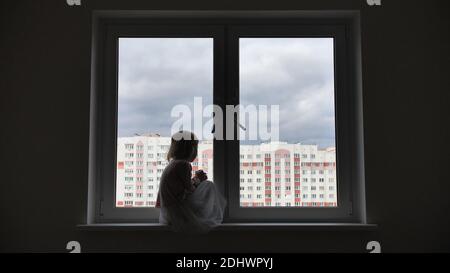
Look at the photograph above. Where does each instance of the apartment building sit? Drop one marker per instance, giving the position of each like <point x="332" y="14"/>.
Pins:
<point x="271" y="174"/>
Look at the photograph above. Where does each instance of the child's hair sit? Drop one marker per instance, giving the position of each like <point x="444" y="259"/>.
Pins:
<point x="183" y="145"/>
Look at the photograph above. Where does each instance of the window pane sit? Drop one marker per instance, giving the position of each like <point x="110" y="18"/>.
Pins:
<point x="297" y="169"/>
<point x="155" y="75"/>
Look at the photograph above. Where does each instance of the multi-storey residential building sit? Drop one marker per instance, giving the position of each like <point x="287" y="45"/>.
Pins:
<point x="271" y="174"/>
<point x="282" y="174"/>
<point x="140" y="163"/>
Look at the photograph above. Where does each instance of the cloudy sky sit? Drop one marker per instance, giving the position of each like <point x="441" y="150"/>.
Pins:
<point x="155" y="74"/>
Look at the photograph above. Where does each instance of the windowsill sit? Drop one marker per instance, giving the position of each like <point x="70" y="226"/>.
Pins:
<point x="235" y="226"/>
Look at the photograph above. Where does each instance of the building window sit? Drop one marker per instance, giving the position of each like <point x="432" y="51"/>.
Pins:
<point x="253" y="61"/>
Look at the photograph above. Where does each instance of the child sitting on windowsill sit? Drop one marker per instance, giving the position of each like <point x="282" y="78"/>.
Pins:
<point x="188" y="205"/>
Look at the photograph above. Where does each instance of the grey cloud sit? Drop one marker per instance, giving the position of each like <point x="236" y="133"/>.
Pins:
<point x="296" y="74"/>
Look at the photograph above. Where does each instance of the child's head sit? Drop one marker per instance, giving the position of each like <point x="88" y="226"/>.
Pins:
<point x="183" y="146"/>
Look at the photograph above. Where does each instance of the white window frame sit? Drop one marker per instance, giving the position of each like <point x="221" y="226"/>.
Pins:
<point x="226" y="28"/>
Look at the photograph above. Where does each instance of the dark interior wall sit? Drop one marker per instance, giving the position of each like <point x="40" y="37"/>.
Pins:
<point x="45" y="92"/>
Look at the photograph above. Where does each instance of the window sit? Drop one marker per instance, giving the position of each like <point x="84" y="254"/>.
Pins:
<point x="144" y="67"/>
<point x="307" y="65"/>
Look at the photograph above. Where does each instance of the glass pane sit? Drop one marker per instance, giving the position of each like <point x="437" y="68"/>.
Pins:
<point x="156" y="75"/>
<point x="295" y="167"/>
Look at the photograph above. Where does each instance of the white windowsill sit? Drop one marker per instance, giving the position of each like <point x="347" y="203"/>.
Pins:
<point x="234" y="226"/>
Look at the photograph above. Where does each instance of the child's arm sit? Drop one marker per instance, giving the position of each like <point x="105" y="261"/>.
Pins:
<point x="187" y="174"/>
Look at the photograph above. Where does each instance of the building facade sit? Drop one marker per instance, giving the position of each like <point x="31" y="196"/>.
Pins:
<point x="271" y="174"/>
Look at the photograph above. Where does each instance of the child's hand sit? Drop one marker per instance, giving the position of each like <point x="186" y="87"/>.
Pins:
<point x="201" y="175"/>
